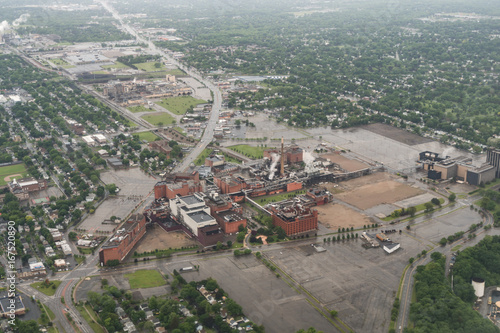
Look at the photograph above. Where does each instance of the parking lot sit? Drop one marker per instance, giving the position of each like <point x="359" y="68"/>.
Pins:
<point x="134" y="186"/>
<point x="265" y="299"/>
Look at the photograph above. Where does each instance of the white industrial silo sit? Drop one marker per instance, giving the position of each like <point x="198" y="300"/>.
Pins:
<point x="478" y="285"/>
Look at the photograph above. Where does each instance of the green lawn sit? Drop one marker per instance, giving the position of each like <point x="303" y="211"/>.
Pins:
<point x="150" y="66"/>
<point x="200" y="160"/>
<point x="148" y="136"/>
<point x="49" y="291"/>
<point x="139" y="108"/>
<point x="95" y="326"/>
<point x="180" y="130"/>
<point x="130" y="123"/>
<point x="9" y="170"/>
<point x="278" y="197"/>
<point x="59" y="62"/>
<point x="179" y="105"/>
<point x="176" y="72"/>
<point x="145" y="278"/>
<point x="84" y="250"/>
<point x="156" y="119"/>
<point x="250" y="151"/>
<point x="116" y="65"/>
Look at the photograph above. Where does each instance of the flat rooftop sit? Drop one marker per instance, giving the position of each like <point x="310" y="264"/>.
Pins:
<point x="200" y="217"/>
<point x="191" y="200"/>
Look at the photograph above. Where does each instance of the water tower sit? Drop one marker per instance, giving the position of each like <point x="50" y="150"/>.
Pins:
<point x="478" y="285"/>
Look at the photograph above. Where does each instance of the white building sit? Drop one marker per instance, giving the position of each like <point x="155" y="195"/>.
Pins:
<point x="391" y="247"/>
<point x="192" y="211"/>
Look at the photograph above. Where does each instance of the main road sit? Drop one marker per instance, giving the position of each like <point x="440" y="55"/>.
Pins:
<point x="208" y="133"/>
<point x="408" y="278"/>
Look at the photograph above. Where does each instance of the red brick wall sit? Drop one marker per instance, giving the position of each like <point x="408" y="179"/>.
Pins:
<point x="299" y="225"/>
<point x="160" y="191"/>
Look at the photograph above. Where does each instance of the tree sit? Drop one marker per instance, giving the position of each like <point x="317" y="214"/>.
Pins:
<point x="428" y="206"/>
<point x="411" y="260"/>
<point x="72" y="235"/>
<point x="443" y="241"/>
<point x="436" y="201"/>
<point x="436" y="256"/>
<point x="411" y="211"/>
<point x="452" y="197"/>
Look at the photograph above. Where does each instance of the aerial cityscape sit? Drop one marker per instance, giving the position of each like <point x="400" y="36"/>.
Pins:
<point x="249" y="166"/>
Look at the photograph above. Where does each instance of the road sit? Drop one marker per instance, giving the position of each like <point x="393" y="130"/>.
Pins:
<point x="208" y="134"/>
<point x="408" y="278"/>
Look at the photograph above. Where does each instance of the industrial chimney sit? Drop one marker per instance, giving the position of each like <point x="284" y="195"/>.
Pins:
<point x="282" y="171"/>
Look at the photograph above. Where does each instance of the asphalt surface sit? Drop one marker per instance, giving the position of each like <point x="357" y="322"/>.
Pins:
<point x="408" y="278"/>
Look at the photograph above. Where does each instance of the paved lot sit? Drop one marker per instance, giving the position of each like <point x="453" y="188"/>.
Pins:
<point x="134" y="186"/>
<point x="444" y="226"/>
<point x="358" y="283"/>
<point x="265" y="299"/>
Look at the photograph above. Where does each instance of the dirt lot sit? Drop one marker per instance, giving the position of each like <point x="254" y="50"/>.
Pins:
<point x="345" y="163"/>
<point x="334" y="216"/>
<point x="375" y="189"/>
<point x="396" y="134"/>
<point x="157" y="238"/>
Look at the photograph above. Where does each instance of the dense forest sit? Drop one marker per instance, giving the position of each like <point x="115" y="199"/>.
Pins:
<point x="416" y="65"/>
<point x="438" y="308"/>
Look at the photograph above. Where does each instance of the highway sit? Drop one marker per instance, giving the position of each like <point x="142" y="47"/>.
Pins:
<point x="211" y="123"/>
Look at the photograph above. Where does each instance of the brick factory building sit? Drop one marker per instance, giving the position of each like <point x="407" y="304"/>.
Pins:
<point x="179" y="184"/>
<point x="23" y="187"/>
<point x="320" y="196"/>
<point x="226" y="213"/>
<point x="161" y="146"/>
<point x="294" y="218"/>
<point x="291" y="154"/>
<point x="118" y="246"/>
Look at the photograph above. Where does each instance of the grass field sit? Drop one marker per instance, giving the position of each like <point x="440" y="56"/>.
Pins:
<point x="95" y="326"/>
<point x="9" y="170"/>
<point x="150" y="66"/>
<point x="180" y="105"/>
<point x="200" y="160"/>
<point x="250" y="151"/>
<point x="175" y="72"/>
<point x="278" y="197"/>
<point x="148" y="136"/>
<point x="49" y="291"/>
<point x="59" y="62"/>
<point x="116" y="65"/>
<point x="156" y="119"/>
<point x="139" y="108"/>
<point x="145" y="278"/>
<point x="130" y="123"/>
<point x="180" y="130"/>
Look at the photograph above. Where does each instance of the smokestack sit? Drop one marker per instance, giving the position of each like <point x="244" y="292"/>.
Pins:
<point x="282" y="159"/>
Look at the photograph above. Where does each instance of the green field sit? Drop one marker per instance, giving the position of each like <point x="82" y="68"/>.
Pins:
<point x="49" y="291"/>
<point x="249" y="151"/>
<point x="180" y="130"/>
<point x="148" y="136"/>
<point x="176" y="72"/>
<point x="130" y="123"/>
<point x="59" y="62"/>
<point x="139" y="108"/>
<point x="156" y="119"/>
<point x="95" y="326"/>
<point x="10" y="170"/>
<point x="145" y="278"/>
<point x="116" y="65"/>
<point x="278" y="197"/>
<point x="200" y="160"/>
<point x="150" y="66"/>
<point x="180" y="105"/>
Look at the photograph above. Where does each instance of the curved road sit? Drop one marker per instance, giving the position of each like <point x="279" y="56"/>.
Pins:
<point x="216" y="104"/>
<point x="408" y="278"/>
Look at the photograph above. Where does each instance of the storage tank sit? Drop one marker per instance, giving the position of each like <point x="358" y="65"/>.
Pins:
<point x="478" y="285"/>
